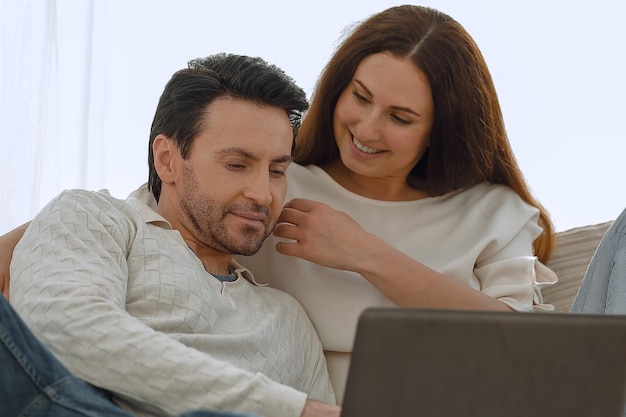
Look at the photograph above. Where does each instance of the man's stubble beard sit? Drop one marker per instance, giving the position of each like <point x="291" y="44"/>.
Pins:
<point x="206" y="217"/>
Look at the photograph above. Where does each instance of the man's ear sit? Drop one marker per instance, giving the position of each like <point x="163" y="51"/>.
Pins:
<point x="166" y="158"/>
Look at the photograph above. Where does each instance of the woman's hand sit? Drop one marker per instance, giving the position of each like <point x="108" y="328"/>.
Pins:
<point x="322" y="235"/>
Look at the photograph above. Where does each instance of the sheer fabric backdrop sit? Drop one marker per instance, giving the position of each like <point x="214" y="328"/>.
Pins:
<point x="54" y="102"/>
<point x="80" y="79"/>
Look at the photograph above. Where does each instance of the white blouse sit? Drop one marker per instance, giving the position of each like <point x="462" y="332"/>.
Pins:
<point x="482" y="237"/>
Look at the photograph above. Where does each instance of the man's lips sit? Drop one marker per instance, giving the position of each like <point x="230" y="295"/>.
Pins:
<point x="252" y="217"/>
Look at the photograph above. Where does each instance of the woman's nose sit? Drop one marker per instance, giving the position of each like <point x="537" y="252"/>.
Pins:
<point x="369" y="127"/>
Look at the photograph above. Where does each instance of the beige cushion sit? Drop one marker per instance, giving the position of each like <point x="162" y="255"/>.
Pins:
<point x="573" y="251"/>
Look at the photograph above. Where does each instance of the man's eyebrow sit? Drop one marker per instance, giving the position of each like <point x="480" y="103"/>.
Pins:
<point x="284" y="158"/>
<point x="235" y="150"/>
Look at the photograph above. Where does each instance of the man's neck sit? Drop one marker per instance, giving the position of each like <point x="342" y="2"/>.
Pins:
<point x="215" y="263"/>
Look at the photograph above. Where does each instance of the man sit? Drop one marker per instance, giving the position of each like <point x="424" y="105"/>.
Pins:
<point x="149" y="304"/>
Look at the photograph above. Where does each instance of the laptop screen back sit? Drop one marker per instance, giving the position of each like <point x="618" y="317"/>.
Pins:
<point x="409" y="362"/>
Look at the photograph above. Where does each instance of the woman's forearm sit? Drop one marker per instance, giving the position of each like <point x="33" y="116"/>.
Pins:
<point x="8" y="241"/>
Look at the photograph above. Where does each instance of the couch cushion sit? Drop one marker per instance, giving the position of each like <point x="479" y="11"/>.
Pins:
<point x="573" y="251"/>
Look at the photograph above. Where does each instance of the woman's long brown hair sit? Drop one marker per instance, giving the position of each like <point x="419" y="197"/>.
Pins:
<point x="468" y="140"/>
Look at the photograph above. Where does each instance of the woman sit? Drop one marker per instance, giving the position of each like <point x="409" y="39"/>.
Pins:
<point x="405" y="141"/>
<point x="405" y="190"/>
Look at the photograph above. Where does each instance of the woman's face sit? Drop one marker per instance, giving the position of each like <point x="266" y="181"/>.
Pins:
<point x="383" y="117"/>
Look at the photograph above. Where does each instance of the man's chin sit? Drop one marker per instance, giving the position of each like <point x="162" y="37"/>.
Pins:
<point x="249" y="247"/>
<point x="244" y="241"/>
<point x="247" y="250"/>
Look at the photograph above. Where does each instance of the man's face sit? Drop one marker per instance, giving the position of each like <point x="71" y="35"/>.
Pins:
<point x="232" y="186"/>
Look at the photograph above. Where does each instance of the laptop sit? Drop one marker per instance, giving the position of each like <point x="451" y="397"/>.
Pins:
<point x="427" y="363"/>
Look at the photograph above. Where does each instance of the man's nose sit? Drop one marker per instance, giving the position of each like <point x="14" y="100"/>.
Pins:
<point x="258" y="188"/>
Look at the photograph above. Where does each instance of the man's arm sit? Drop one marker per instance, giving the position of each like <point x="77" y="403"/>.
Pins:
<point x="70" y="278"/>
<point x="7" y="244"/>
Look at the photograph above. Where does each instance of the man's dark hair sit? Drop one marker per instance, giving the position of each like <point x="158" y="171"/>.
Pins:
<point x="183" y="104"/>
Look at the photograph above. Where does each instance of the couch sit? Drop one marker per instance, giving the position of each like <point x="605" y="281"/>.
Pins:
<point x="573" y="251"/>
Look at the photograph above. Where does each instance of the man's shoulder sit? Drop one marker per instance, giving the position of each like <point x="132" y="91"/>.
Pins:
<point x="88" y="197"/>
<point x="77" y="206"/>
<point x="85" y="199"/>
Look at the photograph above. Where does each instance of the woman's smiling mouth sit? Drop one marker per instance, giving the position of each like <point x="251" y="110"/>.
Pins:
<point x="364" y="148"/>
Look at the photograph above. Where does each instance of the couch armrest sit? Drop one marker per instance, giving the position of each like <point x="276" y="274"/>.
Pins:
<point x="573" y="251"/>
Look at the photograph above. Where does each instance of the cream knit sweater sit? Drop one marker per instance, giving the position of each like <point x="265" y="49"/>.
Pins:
<point x="121" y="300"/>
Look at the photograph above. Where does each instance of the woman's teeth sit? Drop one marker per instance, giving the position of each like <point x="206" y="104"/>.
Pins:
<point x="364" y="148"/>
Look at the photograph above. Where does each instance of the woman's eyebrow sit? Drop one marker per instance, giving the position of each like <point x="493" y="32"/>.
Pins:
<point x="401" y="108"/>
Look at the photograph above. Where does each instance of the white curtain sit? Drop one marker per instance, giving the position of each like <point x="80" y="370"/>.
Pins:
<point x="80" y="79"/>
<point x="53" y="101"/>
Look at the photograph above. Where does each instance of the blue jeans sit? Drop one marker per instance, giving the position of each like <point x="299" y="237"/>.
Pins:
<point x="603" y="289"/>
<point x="34" y="383"/>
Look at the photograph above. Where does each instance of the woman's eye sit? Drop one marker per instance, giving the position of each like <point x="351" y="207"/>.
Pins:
<point x="400" y="120"/>
<point x="359" y="97"/>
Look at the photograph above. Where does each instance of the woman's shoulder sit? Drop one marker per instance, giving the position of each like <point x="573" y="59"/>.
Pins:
<point x="486" y="195"/>
<point x="487" y="190"/>
<point x="493" y="204"/>
<point x="297" y="172"/>
<point x="144" y="195"/>
<point x="310" y="181"/>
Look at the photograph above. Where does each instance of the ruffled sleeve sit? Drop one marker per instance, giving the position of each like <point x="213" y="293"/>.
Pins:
<point x="506" y="267"/>
<point x="501" y="280"/>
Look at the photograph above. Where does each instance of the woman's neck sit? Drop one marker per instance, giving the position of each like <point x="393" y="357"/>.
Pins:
<point x="376" y="188"/>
